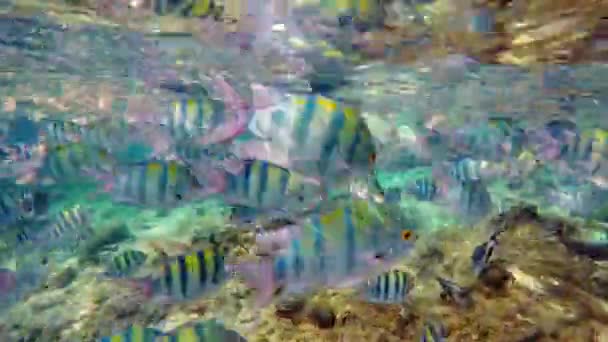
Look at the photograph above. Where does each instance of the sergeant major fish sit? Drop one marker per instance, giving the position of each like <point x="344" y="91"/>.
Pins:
<point x="311" y="134"/>
<point x="339" y="247"/>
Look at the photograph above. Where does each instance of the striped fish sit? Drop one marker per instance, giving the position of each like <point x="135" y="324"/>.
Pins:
<point x="125" y="262"/>
<point x="189" y="8"/>
<point x="206" y="331"/>
<point x="265" y="186"/>
<point x="318" y="136"/>
<point x="433" y="332"/>
<point x="21" y="204"/>
<point x="73" y="222"/>
<point x="364" y="11"/>
<point x="466" y="170"/>
<point x="189" y="276"/>
<point x="192" y="152"/>
<point x="425" y="189"/>
<point x="154" y="182"/>
<point x="588" y="146"/>
<point x="335" y="248"/>
<point x="66" y="163"/>
<point x="195" y="117"/>
<point x="389" y="287"/>
<point x="134" y="333"/>
<point x="10" y="209"/>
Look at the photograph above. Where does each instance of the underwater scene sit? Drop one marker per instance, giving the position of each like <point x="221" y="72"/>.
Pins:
<point x="303" y="170"/>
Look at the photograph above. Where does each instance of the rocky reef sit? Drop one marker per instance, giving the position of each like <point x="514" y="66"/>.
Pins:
<point x="538" y="288"/>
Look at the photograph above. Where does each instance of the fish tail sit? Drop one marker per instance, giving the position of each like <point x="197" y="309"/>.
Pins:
<point x="259" y="276"/>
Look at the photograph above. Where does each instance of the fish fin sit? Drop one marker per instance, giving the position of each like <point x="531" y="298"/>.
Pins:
<point x="259" y="276"/>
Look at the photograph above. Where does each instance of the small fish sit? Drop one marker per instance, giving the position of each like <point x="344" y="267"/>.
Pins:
<point x="389" y="287"/>
<point x="67" y="163"/>
<point x="433" y="332"/>
<point x="482" y="20"/>
<point x="191" y="275"/>
<point x="210" y="330"/>
<point x="451" y="291"/>
<point x="125" y="263"/>
<point x="466" y="170"/>
<point x="266" y="186"/>
<point x="189" y="8"/>
<point x="425" y="189"/>
<point x="75" y="221"/>
<point x="475" y="201"/>
<point x="483" y="253"/>
<point x="195" y="117"/>
<point x="134" y="333"/>
<point x="154" y="182"/>
<point x="359" y="12"/>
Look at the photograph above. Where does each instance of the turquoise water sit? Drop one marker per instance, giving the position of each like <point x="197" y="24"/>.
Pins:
<point x="114" y="140"/>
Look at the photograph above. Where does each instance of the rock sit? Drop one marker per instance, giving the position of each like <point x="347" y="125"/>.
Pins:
<point x="63" y="278"/>
<point x="290" y="307"/>
<point x="323" y="316"/>
<point x="495" y="277"/>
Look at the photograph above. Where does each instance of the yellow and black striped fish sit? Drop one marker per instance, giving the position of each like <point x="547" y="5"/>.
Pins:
<point x="264" y="185"/>
<point x="343" y="132"/>
<point x="65" y="163"/>
<point x="332" y="246"/>
<point x="188" y="276"/>
<point x="362" y="11"/>
<point x="189" y="8"/>
<point x="155" y="182"/>
<point x="134" y="333"/>
<point x="125" y="262"/>
<point x="210" y="330"/>
<point x="389" y="287"/>
<point x="589" y="145"/>
<point x="73" y="222"/>
<point x="195" y="117"/>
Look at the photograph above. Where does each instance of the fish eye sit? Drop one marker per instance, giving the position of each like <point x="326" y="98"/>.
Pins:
<point x="301" y="198"/>
<point x="406" y="235"/>
<point x="178" y="197"/>
<point x="372" y="158"/>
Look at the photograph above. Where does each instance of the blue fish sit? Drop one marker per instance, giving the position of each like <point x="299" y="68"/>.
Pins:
<point x="483" y="253"/>
<point x="433" y="332"/>
<point x="450" y="291"/>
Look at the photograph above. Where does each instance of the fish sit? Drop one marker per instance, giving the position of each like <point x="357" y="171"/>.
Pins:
<point x="482" y="20"/>
<point x="67" y="163"/>
<point x="425" y="189"/>
<point x="209" y="330"/>
<point x="153" y="182"/>
<point x="311" y="134"/>
<point x="189" y="276"/>
<point x="11" y="209"/>
<point x="189" y="8"/>
<point x="68" y="228"/>
<point x="452" y="292"/>
<point x="125" y="263"/>
<point x="340" y="247"/>
<point x="73" y="221"/>
<point x="269" y="187"/>
<point x="483" y="253"/>
<point x="134" y="333"/>
<point x="433" y="332"/>
<point x="194" y="117"/>
<point x="389" y="287"/>
<point x="474" y="200"/>
<point x="359" y="12"/>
